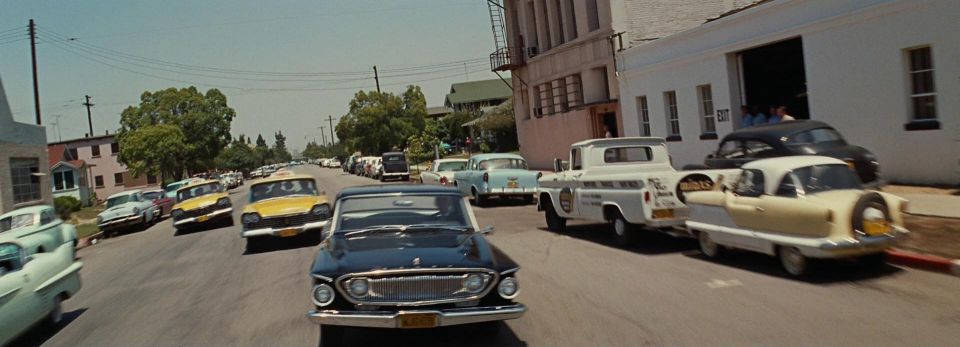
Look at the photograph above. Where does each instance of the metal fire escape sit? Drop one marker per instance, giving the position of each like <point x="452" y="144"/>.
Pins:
<point x="505" y="57"/>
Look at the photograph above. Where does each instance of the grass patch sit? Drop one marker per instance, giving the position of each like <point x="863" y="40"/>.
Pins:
<point x="85" y="230"/>
<point x="88" y="212"/>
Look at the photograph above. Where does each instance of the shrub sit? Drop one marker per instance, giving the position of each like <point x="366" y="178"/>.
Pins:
<point x="65" y="205"/>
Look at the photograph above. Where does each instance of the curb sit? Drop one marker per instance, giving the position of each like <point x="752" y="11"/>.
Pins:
<point x="924" y="261"/>
<point x="89" y="241"/>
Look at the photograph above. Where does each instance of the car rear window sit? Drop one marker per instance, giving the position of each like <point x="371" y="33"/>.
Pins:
<point x="627" y="154"/>
<point x="394" y="158"/>
<point x="16" y="221"/>
<point x="815" y="136"/>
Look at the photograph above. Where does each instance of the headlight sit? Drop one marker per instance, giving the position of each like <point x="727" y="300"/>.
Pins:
<point x="359" y="287"/>
<point x="99" y="219"/>
<point x="321" y="210"/>
<point x="322" y="295"/>
<point x="223" y="202"/>
<point x="508" y="288"/>
<point x="136" y="210"/>
<point x="250" y="218"/>
<point x="473" y="283"/>
<point x="176" y="213"/>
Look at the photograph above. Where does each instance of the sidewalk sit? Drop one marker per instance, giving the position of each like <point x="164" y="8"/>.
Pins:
<point x="928" y="201"/>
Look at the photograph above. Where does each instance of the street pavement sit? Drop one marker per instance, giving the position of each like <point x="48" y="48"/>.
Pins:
<point x="154" y="288"/>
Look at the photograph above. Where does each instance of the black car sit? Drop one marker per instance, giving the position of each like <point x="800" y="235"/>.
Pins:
<point x="408" y="256"/>
<point x="394" y="165"/>
<point x="800" y="137"/>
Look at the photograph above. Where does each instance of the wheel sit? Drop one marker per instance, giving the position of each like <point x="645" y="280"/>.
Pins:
<point x="873" y="260"/>
<point x="555" y="223"/>
<point x="253" y="245"/>
<point x="330" y="336"/>
<point x="421" y="180"/>
<point x="624" y="233"/>
<point x="56" y="313"/>
<point x="794" y="262"/>
<point x="527" y="200"/>
<point x="228" y="222"/>
<point x="382" y="179"/>
<point x="478" y="199"/>
<point x="709" y="248"/>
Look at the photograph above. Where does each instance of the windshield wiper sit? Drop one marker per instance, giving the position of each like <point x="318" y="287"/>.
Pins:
<point x="403" y="228"/>
<point x="374" y="229"/>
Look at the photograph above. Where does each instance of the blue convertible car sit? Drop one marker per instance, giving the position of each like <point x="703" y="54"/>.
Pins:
<point x="500" y="175"/>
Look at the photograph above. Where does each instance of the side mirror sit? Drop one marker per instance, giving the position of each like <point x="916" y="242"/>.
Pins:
<point x="487" y="230"/>
<point x="557" y="165"/>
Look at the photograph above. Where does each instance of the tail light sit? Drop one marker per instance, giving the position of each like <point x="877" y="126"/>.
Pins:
<point x="646" y="197"/>
<point x="443" y="180"/>
<point x="486" y="177"/>
<point x="830" y="216"/>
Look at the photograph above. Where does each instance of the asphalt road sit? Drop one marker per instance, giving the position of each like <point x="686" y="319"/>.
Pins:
<point x="153" y="288"/>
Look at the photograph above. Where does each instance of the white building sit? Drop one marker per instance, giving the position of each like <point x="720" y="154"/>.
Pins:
<point x="23" y="162"/>
<point x="885" y="73"/>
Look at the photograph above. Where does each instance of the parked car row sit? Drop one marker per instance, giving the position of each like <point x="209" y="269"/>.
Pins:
<point x="388" y="166"/>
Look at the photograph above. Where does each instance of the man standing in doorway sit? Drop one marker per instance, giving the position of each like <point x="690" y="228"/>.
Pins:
<point x="747" y="117"/>
<point x="758" y="116"/>
<point x="784" y="114"/>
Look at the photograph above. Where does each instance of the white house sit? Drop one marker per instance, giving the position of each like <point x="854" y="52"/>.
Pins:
<point x="885" y="73"/>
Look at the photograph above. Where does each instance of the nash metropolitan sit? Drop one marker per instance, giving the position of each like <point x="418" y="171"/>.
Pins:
<point x="500" y="175"/>
<point x="38" y="229"/>
<point x="409" y="256"/>
<point x="201" y="202"/>
<point x="126" y="210"/>
<point x="441" y="171"/>
<point x="284" y="206"/>
<point x="798" y="208"/>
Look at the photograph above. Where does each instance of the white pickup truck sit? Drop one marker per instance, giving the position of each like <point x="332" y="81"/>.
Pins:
<point x="628" y="182"/>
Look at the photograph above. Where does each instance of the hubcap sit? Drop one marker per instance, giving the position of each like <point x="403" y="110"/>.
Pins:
<point x="57" y="314"/>
<point x="707" y="246"/>
<point x="793" y="260"/>
<point x="619" y="227"/>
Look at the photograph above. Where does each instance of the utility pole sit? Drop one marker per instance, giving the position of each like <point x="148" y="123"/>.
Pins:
<point x="89" y="118"/>
<point x="323" y="134"/>
<point x="376" y="77"/>
<point x="56" y="124"/>
<point x="330" y="118"/>
<point x="33" y="57"/>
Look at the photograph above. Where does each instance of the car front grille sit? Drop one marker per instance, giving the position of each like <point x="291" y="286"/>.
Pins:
<point x="197" y="212"/>
<point x="391" y="168"/>
<point x="285" y="221"/>
<point x="415" y="289"/>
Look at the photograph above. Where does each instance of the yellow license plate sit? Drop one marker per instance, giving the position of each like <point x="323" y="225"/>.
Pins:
<point x="665" y="213"/>
<point x="875" y="228"/>
<point x="512" y="184"/>
<point x="202" y="219"/>
<point x="288" y="232"/>
<point x="851" y="165"/>
<point x="418" y="320"/>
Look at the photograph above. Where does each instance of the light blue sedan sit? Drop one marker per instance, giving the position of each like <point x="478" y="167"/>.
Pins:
<point x="37" y="228"/>
<point x="499" y="175"/>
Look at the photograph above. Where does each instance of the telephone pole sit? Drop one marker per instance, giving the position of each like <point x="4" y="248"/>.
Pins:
<point x="323" y="135"/>
<point x="376" y="77"/>
<point x="330" y="118"/>
<point x="33" y="57"/>
<point x="89" y="118"/>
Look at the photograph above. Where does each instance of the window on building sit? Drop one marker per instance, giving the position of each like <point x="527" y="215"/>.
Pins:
<point x="593" y="15"/>
<point x="118" y="179"/>
<point x="537" y="101"/>
<point x="548" y="40"/>
<point x="63" y="180"/>
<point x="673" y="118"/>
<point x="922" y="90"/>
<point x="644" y="114"/>
<point x="708" y="125"/>
<point x="114" y="148"/>
<point x="98" y="181"/>
<point x="574" y="93"/>
<point x="532" y="30"/>
<point x="524" y="102"/>
<point x="546" y="98"/>
<point x="25" y="180"/>
<point x="571" y="17"/>
<point x="560" y="93"/>
<point x="559" y="30"/>
<point x="151" y="179"/>
<point x="72" y="154"/>
<point x="95" y="150"/>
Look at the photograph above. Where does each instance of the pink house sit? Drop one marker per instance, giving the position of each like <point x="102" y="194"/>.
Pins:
<point x="104" y="173"/>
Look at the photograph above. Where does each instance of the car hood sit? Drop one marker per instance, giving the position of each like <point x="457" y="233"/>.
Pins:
<point x="117" y="211"/>
<point x="339" y="255"/>
<point x="200" y="202"/>
<point x="284" y="206"/>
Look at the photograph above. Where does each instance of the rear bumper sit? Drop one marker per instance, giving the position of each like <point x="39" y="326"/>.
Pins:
<point x="510" y="191"/>
<point x="395" y="174"/>
<point x="276" y="231"/>
<point x="120" y="222"/>
<point x="391" y="319"/>
<point x="224" y="213"/>
<point x="859" y="246"/>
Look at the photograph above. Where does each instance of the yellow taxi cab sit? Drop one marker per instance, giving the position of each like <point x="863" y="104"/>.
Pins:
<point x="284" y="206"/>
<point x="201" y="202"/>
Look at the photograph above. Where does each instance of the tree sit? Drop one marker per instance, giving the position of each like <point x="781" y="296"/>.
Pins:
<point x="312" y="151"/>
<point x="453" y="125"/>
<point x="156" y="149"/>
<point x="280" y="152"/>
<point x="501" y="124"/>
<point x="238" y="157"/>
<point x="380" y="122"/>
<point x="203" y="121"/>
<point x="261" y="142"/>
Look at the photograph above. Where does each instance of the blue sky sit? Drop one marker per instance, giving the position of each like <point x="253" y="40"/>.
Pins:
<point x="270" y="36"/>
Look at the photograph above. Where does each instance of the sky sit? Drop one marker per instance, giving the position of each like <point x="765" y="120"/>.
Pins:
<point x="284" y="65"/>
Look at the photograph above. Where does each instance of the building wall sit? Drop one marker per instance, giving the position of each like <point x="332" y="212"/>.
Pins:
<point x="81" y="190"/>
<point x="856" y="72"/>
<point x="105" y="165"/>
<point x="20" y="140"/>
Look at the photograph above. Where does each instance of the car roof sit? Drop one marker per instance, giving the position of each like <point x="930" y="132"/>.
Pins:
<point x="124" y="193"/>
<point x="284" y="178"/>
<point x="451" y="160"/>
<point x="198" y="183"/>
<point x="652" y="141"/>
<point x="393" y="153"/>
<point x="486" y="156"/>
<point x="397" y="189"/>
<point x="772" y="133"/>
<point x="25" y="210"/>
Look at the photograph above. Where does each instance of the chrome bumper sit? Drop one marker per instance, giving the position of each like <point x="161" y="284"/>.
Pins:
<point x="392" y="174"/>
<point x="864" y="244"/>
<point x="391" y="319"/>
<point x="209" y="216"/>
<point x="510" y="191"/>
<point x="119" y="222"/>
<point x="276" y="231"/>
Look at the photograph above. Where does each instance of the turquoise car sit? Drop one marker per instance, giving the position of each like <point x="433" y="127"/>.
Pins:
<point x="33" y="286"/>
<point x="497" y="175"/>
<point x="37" y="228"/>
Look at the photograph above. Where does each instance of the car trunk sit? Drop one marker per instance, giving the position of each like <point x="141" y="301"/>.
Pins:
<point x="511" y="179"/>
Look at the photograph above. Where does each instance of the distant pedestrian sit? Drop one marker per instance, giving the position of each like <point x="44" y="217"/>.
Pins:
<point x="758" y="116"/>
<point x="606" y="132"/>
<point x="784" y="114"/>
<point x="747" y="117"/>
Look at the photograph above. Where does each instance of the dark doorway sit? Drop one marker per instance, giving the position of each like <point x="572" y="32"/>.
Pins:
<point x="774" y="75"/>
<point x="610" y="122"/>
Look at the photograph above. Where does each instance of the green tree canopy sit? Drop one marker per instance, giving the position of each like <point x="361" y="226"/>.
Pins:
<point x="379" y="122"/>
<point x="155" y="150"/>
<point x="261" y="142"/>
<point x="238" y="157"/>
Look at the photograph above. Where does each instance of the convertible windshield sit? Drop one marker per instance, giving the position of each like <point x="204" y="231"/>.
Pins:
<point x="17" y="221"/>
<point x="815" y="136"/>
<point x="503" y="163"/>
<point x="821" y="178"/>
<point x="451" y="166"/>
<point x="277" y="189"/>
<point x="123" y="199"/>
<point x="198" y="191"/>
<point x="393" y="211"/>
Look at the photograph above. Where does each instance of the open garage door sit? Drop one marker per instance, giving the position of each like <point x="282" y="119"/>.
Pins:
<point x="773" y="75"/>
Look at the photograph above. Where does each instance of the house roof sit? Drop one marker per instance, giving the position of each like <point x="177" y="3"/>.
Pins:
<point x="82" y="139"/>
<point x="475" y="91"/>
<point x="438" y="110"/>
<point x="57" y="155"/>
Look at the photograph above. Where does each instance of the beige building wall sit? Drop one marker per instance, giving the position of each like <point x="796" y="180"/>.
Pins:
<point x="26" y="141"/>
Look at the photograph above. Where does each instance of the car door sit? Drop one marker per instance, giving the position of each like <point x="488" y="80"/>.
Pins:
<point x="743" y="206"/>
<point x="430" y="176"/>
<point x="787" y="213"/>
<point x="572" y="190"/>
<point x="18" y="306"/>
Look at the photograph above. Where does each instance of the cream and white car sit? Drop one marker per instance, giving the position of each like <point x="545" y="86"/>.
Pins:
<point x="797" y="208"/>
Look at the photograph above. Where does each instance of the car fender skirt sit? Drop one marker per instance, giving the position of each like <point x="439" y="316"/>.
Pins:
<point x="70" y="270"/>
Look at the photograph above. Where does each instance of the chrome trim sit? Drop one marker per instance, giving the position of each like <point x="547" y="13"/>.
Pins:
<point x="120" y="220"/>
<point x="865" y="241"/>
<point x="322" y="278"/>
<point x="494" y="281"/>
<point x="391" y="319"/>
<point x="209" y="216"/>
<point x="515" y="294"/>
<point x="507" y="272"/>
<point x="275" y="231"/>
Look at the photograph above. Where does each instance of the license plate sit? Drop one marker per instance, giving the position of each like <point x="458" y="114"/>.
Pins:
<point x="876" y="228"/>
<point x="288" y="232"/>
<point x="418" y="320"/>
<point x="512" y="184"/>
<point x="851" y="165"/>
<point x="664" y="213"/>
<point x="202" y="219"/>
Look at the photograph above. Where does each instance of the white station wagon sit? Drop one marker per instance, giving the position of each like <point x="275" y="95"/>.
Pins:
<point x="797" y="208"/>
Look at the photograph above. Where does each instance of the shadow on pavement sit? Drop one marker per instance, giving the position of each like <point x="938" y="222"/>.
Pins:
<point x="225" y="223"/>
<point x="822" y="271"/>
<point x="648" y="242"/>
<point x="271" y="244"/>
<point x="461" y="336"/>
<point x="505" y="202"/>
<point x="42" y="332"/>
